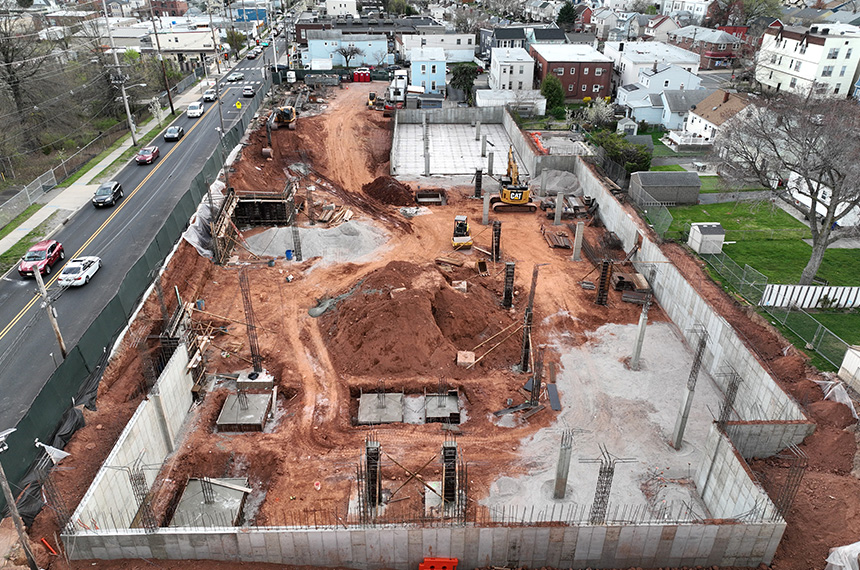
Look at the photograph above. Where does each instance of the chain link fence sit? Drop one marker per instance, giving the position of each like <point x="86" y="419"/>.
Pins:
<point x="751" y="284"/>
<point x="652" y="210"/>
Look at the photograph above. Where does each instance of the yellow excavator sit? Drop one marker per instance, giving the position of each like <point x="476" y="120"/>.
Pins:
<point x="285" y="116"/>
<point x="513" y="197"/>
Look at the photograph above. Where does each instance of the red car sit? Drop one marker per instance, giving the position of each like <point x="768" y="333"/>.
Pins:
<point x="43" y="256"/>
<point x="147" y="155"/>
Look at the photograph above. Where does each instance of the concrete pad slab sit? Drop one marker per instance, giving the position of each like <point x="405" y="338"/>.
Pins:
<point x="224" y="510"/>
<point x="380" y="408"/>
<point x="244" y="416"/>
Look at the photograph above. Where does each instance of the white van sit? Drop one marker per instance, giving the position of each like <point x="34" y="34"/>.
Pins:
<point x="195" y="110"/>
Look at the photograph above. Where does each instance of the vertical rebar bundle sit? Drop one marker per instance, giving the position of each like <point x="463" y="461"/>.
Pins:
<point x="242" y="398"/>
<point x="250" y="322"/>
<point x="600" y="506"/>
<point x="207" y="490"/>
<point x="527" y="324"/>
<point x="309" y="206"/>
<point x="684" y="414"/>
<point x="508" y="299"/>
<point x="373" y="454"/>
<point x="536" y="379"/>
<point x="479" y="181"/>
<point x="563" y="467"/>
<point x="497" y="240"/>
<point x="449" y="472"/>
<point x="729" y="402"/>
<point x="796" y="469"/>
<point x="603" y="283"/>
<point x="297" y="243"/>
<point x="141" y="494"/>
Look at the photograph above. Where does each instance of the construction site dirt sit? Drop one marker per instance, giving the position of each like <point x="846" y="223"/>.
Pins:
<point x="395" y="322"/>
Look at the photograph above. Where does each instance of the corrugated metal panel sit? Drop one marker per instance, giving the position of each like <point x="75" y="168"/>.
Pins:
<point x="810" y="296"/>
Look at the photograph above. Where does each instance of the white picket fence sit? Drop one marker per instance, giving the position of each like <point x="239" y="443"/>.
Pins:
<point x="810" y="296"/>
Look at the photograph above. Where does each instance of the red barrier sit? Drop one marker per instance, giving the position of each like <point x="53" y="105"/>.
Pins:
<point x="438" y="564"/>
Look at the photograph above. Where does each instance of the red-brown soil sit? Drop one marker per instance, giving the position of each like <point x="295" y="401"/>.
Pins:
<point x="408" y="339"/>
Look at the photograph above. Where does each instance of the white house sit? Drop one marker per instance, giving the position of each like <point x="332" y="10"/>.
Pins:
<point x="643" y="98"/>
<point x="341" y="8"/>
<point x="704" y="122"/>
<point x="677" y="105"/>
<point x="511" y="69"/>
<point x="631" y="57"/>
<point x="697" y="9"/>
<point x="658" y="28"/>
<point x="602" y="21"/>
<point x="458" y="47"/>
<point x="822" y="58"/>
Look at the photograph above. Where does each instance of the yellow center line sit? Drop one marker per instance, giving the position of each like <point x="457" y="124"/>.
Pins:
<point x="95" y="234"/>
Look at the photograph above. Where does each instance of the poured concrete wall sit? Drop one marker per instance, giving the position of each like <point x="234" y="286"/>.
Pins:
<point x="727" y="487"/>
<point x="149" y="436"/>
<point x="454" y="116"/>
<point x="375" y="548"/>
<point x="763" y="439"/>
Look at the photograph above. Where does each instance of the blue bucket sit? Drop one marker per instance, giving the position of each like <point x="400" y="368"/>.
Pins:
<point x="289" y="255"/>
<point x="201" y="304"/>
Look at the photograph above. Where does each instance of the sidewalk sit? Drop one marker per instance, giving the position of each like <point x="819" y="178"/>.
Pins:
<point x="79" y="194"/>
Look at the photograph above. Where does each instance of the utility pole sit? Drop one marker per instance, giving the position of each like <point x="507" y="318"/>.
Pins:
<point x="119" y="78"/>
<point x="13" y="508"/>
<point x="214" y="43"/>
<point x="51" y="315"/>
<point x="161" y="59"/>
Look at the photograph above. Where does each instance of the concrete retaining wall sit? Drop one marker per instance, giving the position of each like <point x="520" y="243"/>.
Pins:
<point x="401" y="548"/>
<point x="150" y="436"/>
<point x="727" y="487"/>
<point x="466" y="115"/>
<point x="763" y="439"/>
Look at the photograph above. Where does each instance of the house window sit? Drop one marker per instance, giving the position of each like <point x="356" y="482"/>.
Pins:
<point x="598" y="71"/>
<point x="797" y="65"/>
<point x="842" y="71"/>
<point x="770" y="76"/>
<point x="595" y="89"/>
<point x="666" y="83"/>
<point x="433" y="68"/>
<point x="838" y="87"/>
<point x="558" y="71"/>
<point x="722" y="47"/>
<point x="459" y="41"/>
<point x="848" y="53"/>
<point x="585" y="70"/>
<point x="833" y="53"/>
<point x="827" y="71"/>
<point x="572" y="70"/>
<point x="423" y="84"/>
<point x="570" y="87"/>
<point x="469" y="41"/>
<point x="773" y="58"/>
<point x="522" y="68"/>
<point x="423" y="68"/>
<point x="519" y="85"/>
<point x="803" y="49"/>
<point x="583" y="88"/>
<point x="510" y="84"/>
<point x="433" y="86"/>
<point x="793" y="82"/>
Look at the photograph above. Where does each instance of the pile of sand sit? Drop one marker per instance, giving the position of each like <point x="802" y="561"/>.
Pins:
<point x="389" y="191"/>
<point x="349" y="242"/>
<point x="555" y="181"/>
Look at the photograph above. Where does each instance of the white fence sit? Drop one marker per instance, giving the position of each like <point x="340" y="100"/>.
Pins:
<point x="811" y="296"/>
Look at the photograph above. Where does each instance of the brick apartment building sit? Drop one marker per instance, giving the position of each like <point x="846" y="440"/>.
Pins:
<point x="583" y="71"/>
<point x="169" y="7"/>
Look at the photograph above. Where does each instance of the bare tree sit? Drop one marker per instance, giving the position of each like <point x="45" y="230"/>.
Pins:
<point x="379" y="57"/>
<point x="348" y="53"/>
<point x="808" y="149"/>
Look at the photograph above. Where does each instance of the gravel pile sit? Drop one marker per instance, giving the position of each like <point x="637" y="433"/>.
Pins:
<point x="557" y="181"/>
<point x="347" y="242"/>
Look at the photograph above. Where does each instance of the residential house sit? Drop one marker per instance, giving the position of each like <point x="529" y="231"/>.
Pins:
<point x="658" y="28"/>
<point x="583" y="71"/>
<point x="511" y="69"/>
<point x="632" y="57"/>
<point x="603" y="20"/>
<point x="169" y="7"/>
<point x="582" y="38"/>
<point x="677" y="104"/>
<point x="390" y="27"/>
<point x="643" y="99"/>
<point x="502" y="38"/>
<point x="428" y="69"/>
<point x="69" y="18"/>
<point x="545" y="36"/>
<point x="704" y="122"/>
<point x="716" y="48"/>
<point x="323" y="44"/>
<point x="541" y="10"/>
<point x="341" y="8"/>
<point x="798" y="59"/>
<point x="584" y="12"/>
<point x="458" y="47"/>
<point x="188" y="48"/>
<point x="803" y="16"/>
<point x="692" y="11"/>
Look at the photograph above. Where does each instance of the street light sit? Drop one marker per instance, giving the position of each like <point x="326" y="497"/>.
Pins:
<point x="13" y="508"/>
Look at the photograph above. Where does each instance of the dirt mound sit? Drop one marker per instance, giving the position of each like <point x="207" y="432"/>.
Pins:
<point x="831" y="413"/>
<point x="405" y="318"/>
<point x="389" y="191"/>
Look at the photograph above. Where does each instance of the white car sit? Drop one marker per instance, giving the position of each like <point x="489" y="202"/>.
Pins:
<point x="210" y="95"/>
<point x="79" y="271"/>
<point x="195" y="110"/>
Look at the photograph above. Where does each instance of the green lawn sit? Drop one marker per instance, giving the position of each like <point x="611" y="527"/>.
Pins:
<point x="710" y="184"/>
<point x="668" y="168"/>
<point x="783" y="261"/>
<point x="19" y="219"/>
<point x="735" y="216"/>
<point x="844" y="324"/>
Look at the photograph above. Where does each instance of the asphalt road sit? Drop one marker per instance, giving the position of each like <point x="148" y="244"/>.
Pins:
<point x="29" y="352"/>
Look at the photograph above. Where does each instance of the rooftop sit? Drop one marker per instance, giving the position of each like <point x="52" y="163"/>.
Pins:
<point x="511" y="54"/>
<point x="569" y="52"/>
<point x="648" y="52"/>
<point x="707" y="35"/>
<point x="721" y="106"/>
